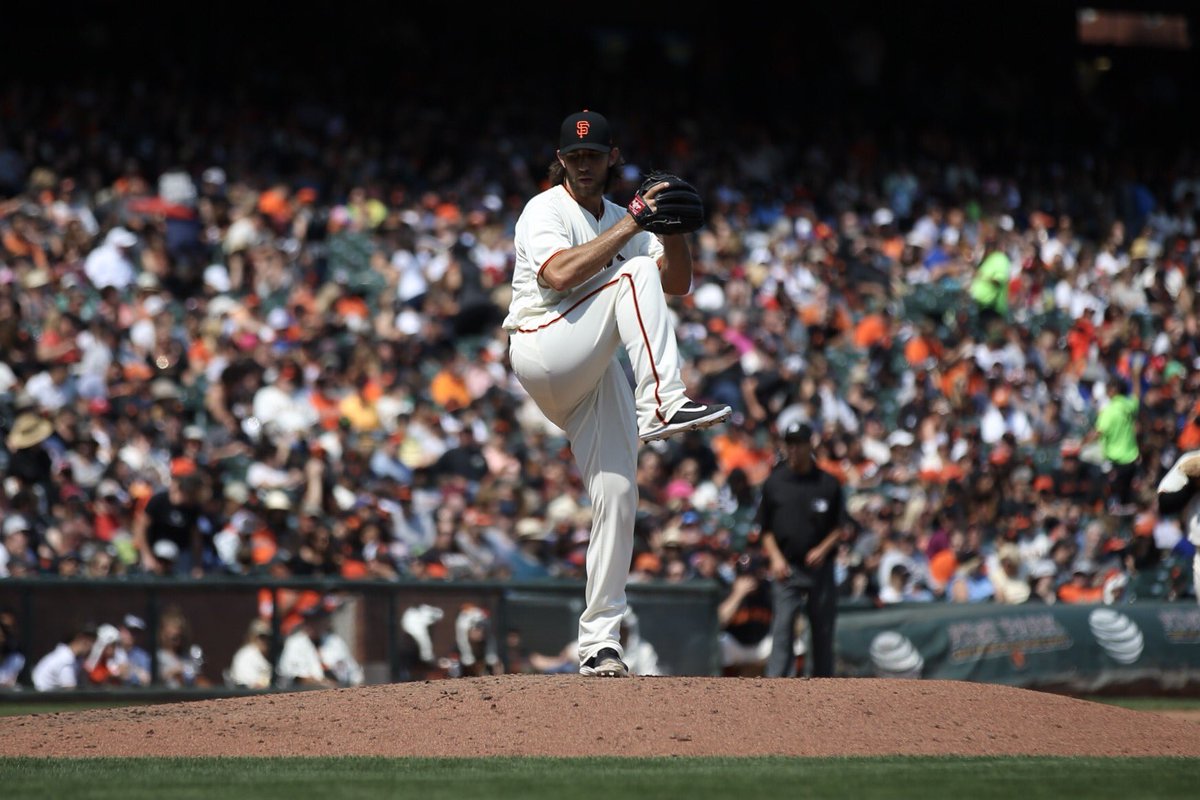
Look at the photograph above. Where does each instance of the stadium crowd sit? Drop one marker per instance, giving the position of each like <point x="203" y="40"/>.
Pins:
<point x="269" y="344"/>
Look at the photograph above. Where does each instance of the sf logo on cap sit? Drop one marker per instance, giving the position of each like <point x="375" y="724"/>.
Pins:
<point x="582" y="127"/>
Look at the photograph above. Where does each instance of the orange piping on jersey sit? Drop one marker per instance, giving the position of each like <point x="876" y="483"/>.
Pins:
<point x="649" y="350"/>
<point x="545" y="264"/>
<point x="636" y="310"/>
<point x="583" y="300"/>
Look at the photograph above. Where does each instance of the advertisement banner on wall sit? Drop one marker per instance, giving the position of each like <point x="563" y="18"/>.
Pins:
<point x="1083" y="647"/>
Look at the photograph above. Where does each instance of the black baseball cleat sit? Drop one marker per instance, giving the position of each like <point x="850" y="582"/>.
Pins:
<point x="605" y="664"/>
<point x="691" y="416"/>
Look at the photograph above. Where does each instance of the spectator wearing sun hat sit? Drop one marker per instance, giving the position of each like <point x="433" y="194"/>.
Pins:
<point x="29" y="462"/>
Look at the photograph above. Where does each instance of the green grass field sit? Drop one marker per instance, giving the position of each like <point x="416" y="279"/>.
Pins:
<point x="1151" y="703"/>
<point x="21" y="708"/>
<point x="547" y="778"/>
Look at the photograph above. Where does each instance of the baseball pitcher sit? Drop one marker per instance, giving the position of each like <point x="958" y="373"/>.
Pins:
<point x="591" y="277"/>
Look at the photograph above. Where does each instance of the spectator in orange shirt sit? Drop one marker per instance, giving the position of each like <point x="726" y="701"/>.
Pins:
<point x="324" y="399"/>
<point x="448" y="389"/>
<point x="1189" y="434"/>
<point x="924" y="345"/>
<point x="1082" y="587"/>
<point x="111" y="510"/>
<point x="276" y="534"/>
<point x="873" y="330"/>
<point x="358" y="407"/>
<point x="59" y="341"/>
<point x="1080" y="339"/>
<point x="97" y="665"/>
<point x="21" y="239"/>
<point x="736" y="449"/>
<point x="352" y="307"/>
<point x="287" y="603"/>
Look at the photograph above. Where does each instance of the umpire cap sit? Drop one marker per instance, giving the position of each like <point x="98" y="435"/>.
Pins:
<point x="585" y="130"/>
<point x="798" y="432"/>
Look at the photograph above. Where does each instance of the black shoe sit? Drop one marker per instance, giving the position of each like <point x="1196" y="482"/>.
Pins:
<point x="691" y="416"/>
<point x="605" y="664"/>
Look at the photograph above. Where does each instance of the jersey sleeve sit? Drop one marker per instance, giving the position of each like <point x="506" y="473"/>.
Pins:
<point x="653" y="245"/>
<point x="644" y="243"/>
<point x="547" y="236"/>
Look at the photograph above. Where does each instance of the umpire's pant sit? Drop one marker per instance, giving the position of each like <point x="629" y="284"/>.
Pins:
<point x="819" y="602"/>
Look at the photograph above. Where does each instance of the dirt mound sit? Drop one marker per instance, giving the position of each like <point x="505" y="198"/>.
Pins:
<point x="519" y="715"/>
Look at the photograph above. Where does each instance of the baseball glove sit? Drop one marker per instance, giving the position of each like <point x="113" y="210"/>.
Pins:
<point x="677" y="209"/>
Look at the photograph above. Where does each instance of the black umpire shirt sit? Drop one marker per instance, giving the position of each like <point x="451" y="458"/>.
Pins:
<point x="801" y="510"/>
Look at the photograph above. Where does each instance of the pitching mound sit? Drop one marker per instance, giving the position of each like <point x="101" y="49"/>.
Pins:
<point x="518" y="715"/>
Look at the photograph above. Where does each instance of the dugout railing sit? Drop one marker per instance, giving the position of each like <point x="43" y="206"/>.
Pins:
<point x="679" y="620"/>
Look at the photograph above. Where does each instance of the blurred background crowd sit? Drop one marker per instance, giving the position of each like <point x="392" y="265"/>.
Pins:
<point x="249" y="314"/>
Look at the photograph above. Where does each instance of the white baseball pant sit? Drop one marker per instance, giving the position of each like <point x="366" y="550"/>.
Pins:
<point x="570" y="367"/>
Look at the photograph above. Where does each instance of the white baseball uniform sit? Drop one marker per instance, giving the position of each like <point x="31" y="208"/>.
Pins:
<point x="1177" y="493"/>
<point x="563" y="349"/>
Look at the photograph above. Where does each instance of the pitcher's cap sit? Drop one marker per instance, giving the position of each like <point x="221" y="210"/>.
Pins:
<point x="585" y="130"/>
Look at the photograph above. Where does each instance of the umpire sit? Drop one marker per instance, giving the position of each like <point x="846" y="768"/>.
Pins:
<point x="801" y="515"/>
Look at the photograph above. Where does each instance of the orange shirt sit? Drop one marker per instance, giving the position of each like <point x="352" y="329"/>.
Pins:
<point x="449" y="391"/>
<point x="954" y="380"/>
<point x="1074" y="593"/>
<point x="893" y="248"/>
<point x="1079" y="340"/>
<point x="263" y="546"/>
<point x="919" y="349"/>
<point x="836" y="468"/>
<point x="942" y="566"/>
<point x="1189" y="437"/>
<point x="20" y="246"/>
<point x="733" y="454"/>
<point x="351" y="306"/>
<point x="837" y="320"/>
<point x="100" y="674"/>
<point x="198" y="352"/>
<point x="360" y="411"/>
<point x="52" y="339"/>
<point x="105" y="526"/>
<point x="870" y="331"/>
<point x="292" y="605"/>
<point x="327" y="410"/>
